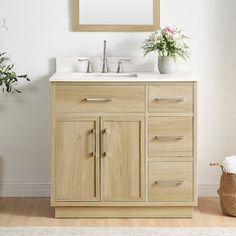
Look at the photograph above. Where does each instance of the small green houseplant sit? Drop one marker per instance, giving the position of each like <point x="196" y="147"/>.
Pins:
<point x="168" y="43"/>
<point x="8" y="77"/>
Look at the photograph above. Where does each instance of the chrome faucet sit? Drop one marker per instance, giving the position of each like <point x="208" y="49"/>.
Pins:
<point x="120" y="68"/>
<point x="104" y="58"/>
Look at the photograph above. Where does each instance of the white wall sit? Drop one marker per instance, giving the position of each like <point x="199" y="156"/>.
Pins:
<point x="40" y="30"/>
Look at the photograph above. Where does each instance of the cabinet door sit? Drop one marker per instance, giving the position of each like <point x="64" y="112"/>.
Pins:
<point x="76" y="159"/>
<point x="122" y="158"/>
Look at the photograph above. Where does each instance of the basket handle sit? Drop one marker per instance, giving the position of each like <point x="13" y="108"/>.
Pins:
<point x="223" y="169"/>
<point x="218" y="164"/>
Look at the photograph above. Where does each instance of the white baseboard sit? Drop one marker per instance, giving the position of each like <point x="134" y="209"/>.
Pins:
<point x="23" y="189"/>
<point x="208" y="183"/>
<point x="208" y="190"/>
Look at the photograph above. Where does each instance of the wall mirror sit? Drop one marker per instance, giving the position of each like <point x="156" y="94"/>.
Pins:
<point x="116" y="15"/>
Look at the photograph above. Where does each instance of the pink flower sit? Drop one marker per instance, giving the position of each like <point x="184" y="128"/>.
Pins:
<point x="171" y="30"/>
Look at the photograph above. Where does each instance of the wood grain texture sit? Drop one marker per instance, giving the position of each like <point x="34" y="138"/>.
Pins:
<point x="122" y="167"/>
<point x="170" y="127"/>
<point x="170" y="191"/>
<point x="76" y="26"/>
<point x="123" y="212"/>
<point x="53" y="143"/>
<point x="77" y="170"/>
<point x="124" y="174"/>
<point x="195" y="140"/>
<point x="171" y="92"/>
<point x="122" y="203"/>
<point x="72" y="98"/>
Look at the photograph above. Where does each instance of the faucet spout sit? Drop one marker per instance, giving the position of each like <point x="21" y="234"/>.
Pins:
<point x="104" y="58"/>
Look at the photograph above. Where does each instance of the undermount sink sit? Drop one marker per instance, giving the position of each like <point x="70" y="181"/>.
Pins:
<point x="112" y="75"/>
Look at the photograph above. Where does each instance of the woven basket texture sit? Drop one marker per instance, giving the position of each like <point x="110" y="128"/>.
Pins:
<point x="227" y="192"/>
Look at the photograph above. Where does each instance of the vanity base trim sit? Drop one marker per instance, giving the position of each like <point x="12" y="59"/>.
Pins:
<point x="123" y="212"/>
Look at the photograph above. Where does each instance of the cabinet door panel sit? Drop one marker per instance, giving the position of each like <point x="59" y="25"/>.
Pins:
<point x="77" y="159"/>
<point x="122" y="159"/>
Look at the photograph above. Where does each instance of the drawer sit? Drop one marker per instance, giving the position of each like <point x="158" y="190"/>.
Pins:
<point x="170" y="181"/>
<point x="170" y="136"/>
<point x="171" y="98"/>
<point x="78" y="98"/>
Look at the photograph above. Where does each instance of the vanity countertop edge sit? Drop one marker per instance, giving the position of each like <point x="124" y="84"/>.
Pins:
<point x="141" y="77"/>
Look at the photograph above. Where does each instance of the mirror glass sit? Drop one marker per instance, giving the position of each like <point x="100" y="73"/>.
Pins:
<point x="116" y="12"/>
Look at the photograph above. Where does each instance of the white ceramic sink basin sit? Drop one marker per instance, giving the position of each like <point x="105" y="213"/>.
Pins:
<point x="111" y="75"/>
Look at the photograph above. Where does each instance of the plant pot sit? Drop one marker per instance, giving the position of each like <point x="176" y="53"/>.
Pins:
<point x="167" y="65"/>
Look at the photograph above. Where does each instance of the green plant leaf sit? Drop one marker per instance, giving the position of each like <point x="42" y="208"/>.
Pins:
<point x="8" y="77"/>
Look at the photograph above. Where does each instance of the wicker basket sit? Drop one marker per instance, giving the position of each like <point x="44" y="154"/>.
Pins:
<point x="227" y="192"/>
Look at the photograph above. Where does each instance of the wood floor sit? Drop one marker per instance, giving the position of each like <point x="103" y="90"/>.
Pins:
<point x="37" y="212"/>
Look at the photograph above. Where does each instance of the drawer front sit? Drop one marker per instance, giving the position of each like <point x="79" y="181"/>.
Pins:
<point x="171" y="181"/>
<point x="75" y="98"/>
<point x="171" y="98"/>
<point x="170" y="136"/>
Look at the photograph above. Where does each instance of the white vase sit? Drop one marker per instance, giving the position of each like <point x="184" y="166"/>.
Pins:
<point x="167" y="65"/>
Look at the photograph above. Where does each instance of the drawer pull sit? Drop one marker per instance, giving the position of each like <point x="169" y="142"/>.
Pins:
<point x="169" y="138"/>
<point x="169" y="182"/>
<point x="94" y="143"/>
<point x="169" y="99"/>
<point x="98" y="99"/>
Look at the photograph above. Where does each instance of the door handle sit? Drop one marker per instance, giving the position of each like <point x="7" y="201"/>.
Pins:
<point x="94" y="142"/>
<point x="104" y="149"/>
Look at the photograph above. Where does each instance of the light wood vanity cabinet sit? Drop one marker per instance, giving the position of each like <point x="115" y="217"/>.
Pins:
<point x="123" y="149"/>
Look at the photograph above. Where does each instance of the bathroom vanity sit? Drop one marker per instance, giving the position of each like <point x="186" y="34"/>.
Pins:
<point x="123" y="146"/>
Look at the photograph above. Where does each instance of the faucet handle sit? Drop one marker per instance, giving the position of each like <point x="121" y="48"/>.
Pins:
<point x="120" y="68"/>
<point x="89" y="67"/>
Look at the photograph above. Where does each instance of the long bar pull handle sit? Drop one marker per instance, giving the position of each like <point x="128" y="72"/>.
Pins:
<point x="104" y="149"/>
<point x="94" y="142"/>
<point x="169" y="138"/>
<point x="169" y="99"/>
<point x="98" y="99"/>
<point x="170" y="182"/>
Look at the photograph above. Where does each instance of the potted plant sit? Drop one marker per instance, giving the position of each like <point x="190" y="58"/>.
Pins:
<point x="8" y="77"/>
<point x="168" y="43"/>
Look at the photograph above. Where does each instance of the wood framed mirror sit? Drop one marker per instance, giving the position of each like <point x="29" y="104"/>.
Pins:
<point x="115" y="15"/>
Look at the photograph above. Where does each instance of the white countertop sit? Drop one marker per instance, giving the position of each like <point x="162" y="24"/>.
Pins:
<point x="142" y="77"/>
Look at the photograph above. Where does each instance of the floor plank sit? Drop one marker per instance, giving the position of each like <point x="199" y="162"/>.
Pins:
<point x="37" y="212"/>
